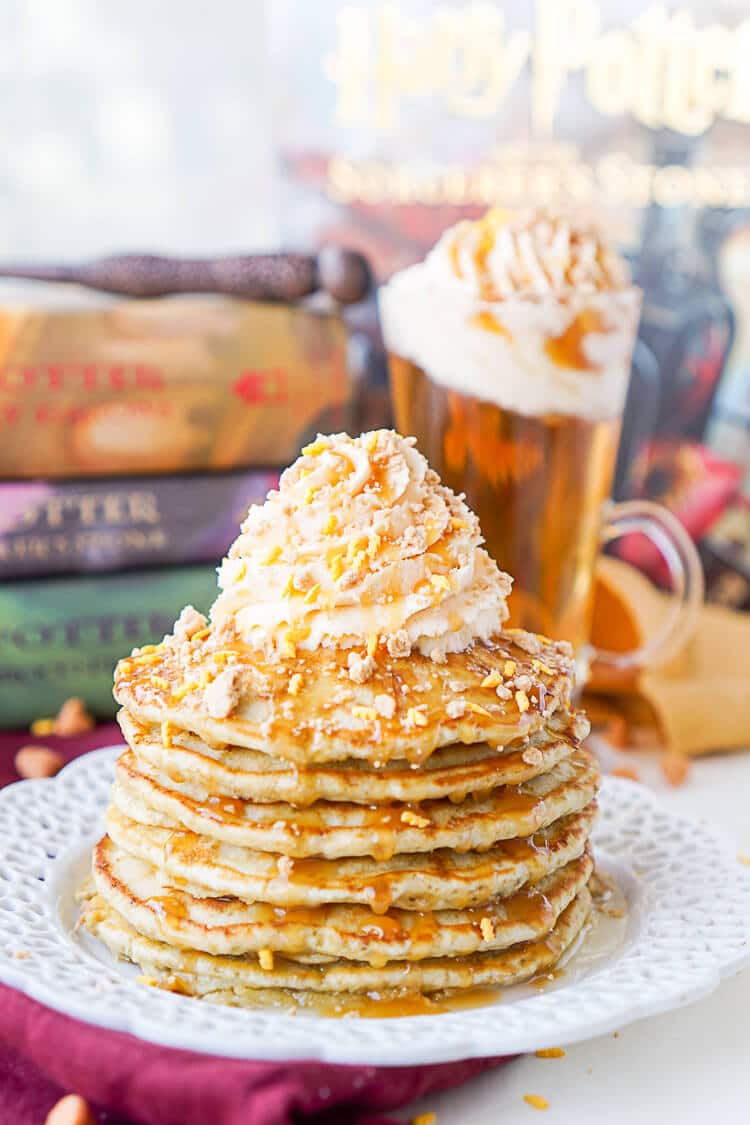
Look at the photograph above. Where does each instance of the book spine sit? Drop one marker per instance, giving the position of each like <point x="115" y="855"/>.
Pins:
<point x="92" y="526"/>
<point x="173" y="385"/>
<point x="61" y="637"/>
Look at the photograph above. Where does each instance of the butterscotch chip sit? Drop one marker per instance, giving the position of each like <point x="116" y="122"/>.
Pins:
<point x="42" y="727"/>
<point x="424" y="1119"/>
<point x="675" y="767"/>
<point x="522" y="701"/>
<point x="488" y="929"/>
<point x="38" y="761"/>
<point x="536" y="1101"/>
<point x="73" y="718"/>
<point x="550" y="1053"/>
<point x="412" y="818"/>
<point x="70" y="1110"/>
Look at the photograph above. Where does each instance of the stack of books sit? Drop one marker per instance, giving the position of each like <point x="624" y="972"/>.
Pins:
<point x="134" y="435"/>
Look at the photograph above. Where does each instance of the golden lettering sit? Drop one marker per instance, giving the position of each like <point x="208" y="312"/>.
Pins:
<point x="482" y="63"/>
<point x="613" y="75"/>
<point x="515" y="179"/>
<point x="663" y="69"/>
<point x="565" y="33"/>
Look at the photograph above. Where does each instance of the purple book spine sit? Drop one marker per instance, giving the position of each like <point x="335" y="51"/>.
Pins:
<point x="108" y="525"/>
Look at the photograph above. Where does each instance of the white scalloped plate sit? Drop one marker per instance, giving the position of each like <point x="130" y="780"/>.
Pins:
<point x="688" y="926"/>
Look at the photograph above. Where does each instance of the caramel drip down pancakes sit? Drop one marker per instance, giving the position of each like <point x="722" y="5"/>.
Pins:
<point x="351" y="789"/>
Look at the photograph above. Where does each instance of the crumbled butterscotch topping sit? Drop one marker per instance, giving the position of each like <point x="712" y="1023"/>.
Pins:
<point x="145" y="658"/>
<point x="385" y="705"/>
<point x="522" y="701"/>
<point x="414" y="819"/>
<point x="398" y="644"/>
<point x="550" y="1053"/>
<point x="160" y="682"/>
<point x="509" y="668"/>
<point x="166" y="733"/>
<point x="529" y="642"/>
<point x="413" y="541"/>
<point x="273" y="556"/>
<point x="487" y="926"/>
<point x="265" y="957"/>
<point x="440" y="582"/>
<point x="416" y="717"/>
<point x="295" y="683"/>
<point x="360" y="667"/>
<point x="367" y="714"/>
<point x="477" y="709"/>
<point x="189" y="623"/>
<point x="179" y="693"/>
<point x="222" y="696"/>
<point x="492" y="680"/>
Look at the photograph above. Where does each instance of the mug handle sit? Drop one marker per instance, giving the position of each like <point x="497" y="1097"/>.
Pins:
<point x="677" y="549"/>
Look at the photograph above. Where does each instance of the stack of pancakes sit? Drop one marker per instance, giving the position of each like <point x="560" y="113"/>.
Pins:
<point x="304" y="829"/>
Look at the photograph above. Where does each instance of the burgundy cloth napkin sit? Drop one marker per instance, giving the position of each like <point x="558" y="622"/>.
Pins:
<point x="44" y="1055"/>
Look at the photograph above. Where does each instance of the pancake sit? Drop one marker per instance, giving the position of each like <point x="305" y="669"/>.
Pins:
<point x="239" y="980"/>
<point x="422" y="881"/>
<point x="328" y="717"/>
<point x="146" y="898"/>
<point x="200" y="769"/>
<point x="332" y="829"/>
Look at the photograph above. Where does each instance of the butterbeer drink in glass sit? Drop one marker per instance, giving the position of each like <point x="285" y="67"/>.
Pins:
<point x="509" y="350"/>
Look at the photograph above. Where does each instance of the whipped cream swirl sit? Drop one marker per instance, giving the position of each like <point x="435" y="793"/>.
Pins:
<point x="361" y="544"/>
<point x="529" y="253"/>
<point x="525" y="310"/>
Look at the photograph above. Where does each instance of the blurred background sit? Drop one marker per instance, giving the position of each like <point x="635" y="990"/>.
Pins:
<point x="135" y="126"/>
<point x="134" y="433"/>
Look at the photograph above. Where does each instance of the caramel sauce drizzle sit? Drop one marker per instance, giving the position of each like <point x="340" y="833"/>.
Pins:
<point x="566" y="350"/>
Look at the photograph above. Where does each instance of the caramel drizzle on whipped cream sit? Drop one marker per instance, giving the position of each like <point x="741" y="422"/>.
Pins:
<point x="361" y="546"/>
<point x="531" y="253"/>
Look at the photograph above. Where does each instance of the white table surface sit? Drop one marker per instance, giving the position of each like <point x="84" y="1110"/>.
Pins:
<point x="690" y="1066"/>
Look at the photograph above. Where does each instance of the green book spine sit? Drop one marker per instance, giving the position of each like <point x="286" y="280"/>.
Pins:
<point x="62" y="637"/>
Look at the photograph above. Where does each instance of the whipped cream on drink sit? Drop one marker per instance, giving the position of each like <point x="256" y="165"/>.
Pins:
<point x="361" y="544"/>
<point x="523" y="309"/>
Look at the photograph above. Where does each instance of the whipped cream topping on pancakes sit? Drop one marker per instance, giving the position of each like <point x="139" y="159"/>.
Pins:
<point x="361" y="545"/>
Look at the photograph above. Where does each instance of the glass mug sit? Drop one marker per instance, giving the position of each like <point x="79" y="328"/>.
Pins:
<point x="518" y="404"/>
